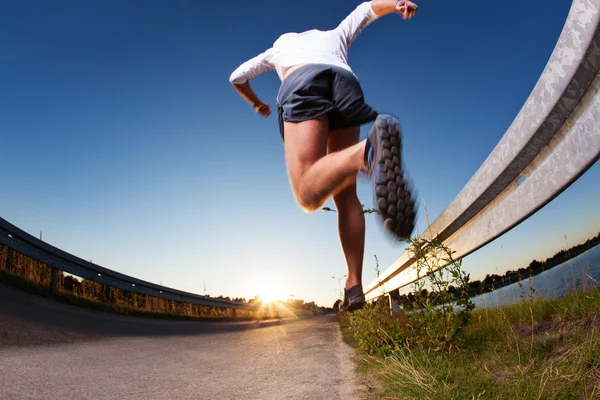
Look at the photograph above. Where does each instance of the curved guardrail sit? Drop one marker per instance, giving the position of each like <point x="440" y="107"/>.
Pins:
<point x="553" y="140"/>
<point x="58" y="259"/>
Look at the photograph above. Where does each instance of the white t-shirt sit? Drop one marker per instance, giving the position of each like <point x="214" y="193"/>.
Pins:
<point x="310" y="47"/>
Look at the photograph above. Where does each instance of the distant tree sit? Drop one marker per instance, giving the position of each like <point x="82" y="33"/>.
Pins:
<point x="535" y="264"/>
<point x="298" y="304"/>
<point x="255" y="299"/>
<point x="475" y="284"/>
<point x="488" y="280"/>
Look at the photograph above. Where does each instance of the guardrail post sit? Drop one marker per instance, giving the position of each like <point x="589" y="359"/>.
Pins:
<point x="233" y="313"/>
<point x="394" y="296"/>
<point x="8" y="261"/>
<point x="54" y="281"/>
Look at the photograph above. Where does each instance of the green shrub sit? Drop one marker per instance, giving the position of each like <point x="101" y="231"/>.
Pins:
<point x="434" y="319"/>
<point x="438" y="318"/>
<point x="374" y="329"/>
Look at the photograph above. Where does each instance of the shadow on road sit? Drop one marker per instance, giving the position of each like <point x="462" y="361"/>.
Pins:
<point x="30" y="320"/>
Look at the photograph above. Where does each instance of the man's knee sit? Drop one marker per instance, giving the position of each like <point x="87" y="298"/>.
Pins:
<point x="308" y="202"/>
<point x="307" y="199"/>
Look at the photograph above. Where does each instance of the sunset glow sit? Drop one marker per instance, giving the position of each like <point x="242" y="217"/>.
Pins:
<point x="270" y="292"/>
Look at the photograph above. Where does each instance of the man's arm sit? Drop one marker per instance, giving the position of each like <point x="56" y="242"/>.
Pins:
<point x="248" y="70"/>
<point x="403" y="7"/>
<point x="252" y="68"/>
<point x="248" y="94"/>
<point x="368" y="12"/>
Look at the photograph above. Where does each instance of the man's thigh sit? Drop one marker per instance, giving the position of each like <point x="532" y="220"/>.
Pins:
<point x="305" y="143"/>
<point x="339" y="139"/>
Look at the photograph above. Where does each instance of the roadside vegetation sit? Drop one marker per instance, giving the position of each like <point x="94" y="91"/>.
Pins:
<point x="33" y="276"/>
<point x="437" y="346"/>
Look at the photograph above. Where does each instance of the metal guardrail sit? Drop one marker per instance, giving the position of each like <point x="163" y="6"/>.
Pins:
<point x="553" y="140"/>
<point x="58" y="259"/>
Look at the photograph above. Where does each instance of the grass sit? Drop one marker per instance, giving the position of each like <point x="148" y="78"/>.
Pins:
<point x="537" y="349"/>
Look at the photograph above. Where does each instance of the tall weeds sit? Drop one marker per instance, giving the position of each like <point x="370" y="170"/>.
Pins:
<point x="438" y="317"/>
<point x="28" y="274"/>
<point x="433" y="319"/>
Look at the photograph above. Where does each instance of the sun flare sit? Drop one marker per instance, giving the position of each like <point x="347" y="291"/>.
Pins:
<point x="270" y="292"/>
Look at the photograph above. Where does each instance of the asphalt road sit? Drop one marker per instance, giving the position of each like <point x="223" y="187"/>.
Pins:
<point x="50" y="350"/>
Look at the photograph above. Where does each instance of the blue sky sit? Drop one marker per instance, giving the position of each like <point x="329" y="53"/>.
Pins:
<point x="123" y="141"/>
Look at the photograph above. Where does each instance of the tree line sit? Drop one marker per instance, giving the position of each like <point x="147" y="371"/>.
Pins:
<point x="494" y="281"/>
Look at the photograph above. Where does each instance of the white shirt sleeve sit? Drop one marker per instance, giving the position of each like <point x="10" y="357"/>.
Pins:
<point x="253" y="68"/>
<point x="354" y="23"/>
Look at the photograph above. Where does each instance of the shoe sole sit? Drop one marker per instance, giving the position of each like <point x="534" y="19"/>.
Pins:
<point x="394" y="200"/>
<point x="354" y="306"/>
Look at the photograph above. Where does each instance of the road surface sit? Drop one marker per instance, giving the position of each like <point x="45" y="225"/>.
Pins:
<point x="50" y="350"/>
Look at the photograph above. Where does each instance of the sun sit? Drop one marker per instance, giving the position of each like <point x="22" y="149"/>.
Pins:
<point x="270" y="292"/>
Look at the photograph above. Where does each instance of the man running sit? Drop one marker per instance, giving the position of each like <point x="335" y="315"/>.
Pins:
<point x="321" y="106"/>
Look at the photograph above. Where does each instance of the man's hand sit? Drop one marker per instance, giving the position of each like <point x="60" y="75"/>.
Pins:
<point x="406" y="8"/>
<point x="248" y="94"/>
<point x="262" y="108"/>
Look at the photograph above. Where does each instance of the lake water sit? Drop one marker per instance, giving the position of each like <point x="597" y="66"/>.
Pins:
<point x="577" y="273"/>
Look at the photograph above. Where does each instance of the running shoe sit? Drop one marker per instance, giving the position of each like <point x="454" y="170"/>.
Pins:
<point x="394" y="200"/>
<point x="354" y="298"/>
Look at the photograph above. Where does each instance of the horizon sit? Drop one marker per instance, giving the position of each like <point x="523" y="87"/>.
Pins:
<point x="291" y="297"/>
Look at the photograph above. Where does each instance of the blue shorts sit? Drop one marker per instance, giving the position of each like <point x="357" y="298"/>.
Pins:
<point x="317" y="89"/>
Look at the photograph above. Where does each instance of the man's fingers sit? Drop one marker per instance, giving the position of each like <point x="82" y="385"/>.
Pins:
<point x="264" y="110"/>
<point x="403" y="11"/>
<point x="407" y="11"/>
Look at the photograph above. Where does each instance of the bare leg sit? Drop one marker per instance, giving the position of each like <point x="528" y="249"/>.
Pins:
<point x="315" y="175"/>
<point x="351" y="221"/>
